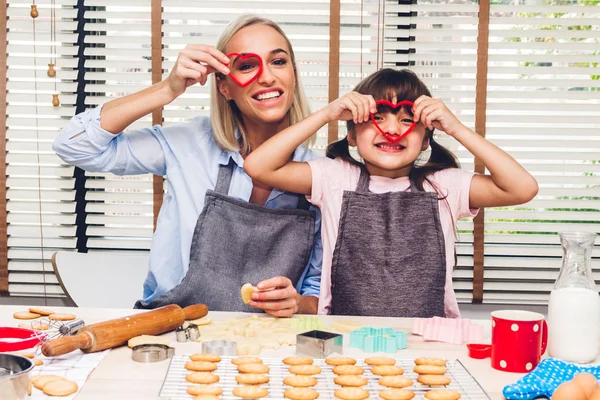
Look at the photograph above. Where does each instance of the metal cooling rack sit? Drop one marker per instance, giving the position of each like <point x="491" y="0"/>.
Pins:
<point x="175" y="386"/>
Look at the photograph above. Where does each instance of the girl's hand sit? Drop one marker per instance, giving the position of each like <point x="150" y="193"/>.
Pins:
<point x="352" y="106"/>
<point x="434" y="114"/>
<point x="193" y="65"/>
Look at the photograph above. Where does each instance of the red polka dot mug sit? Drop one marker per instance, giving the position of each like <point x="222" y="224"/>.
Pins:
<point x="519" y="339"/>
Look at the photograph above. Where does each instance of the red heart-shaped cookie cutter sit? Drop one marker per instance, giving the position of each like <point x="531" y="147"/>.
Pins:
<point x="393" y="106"/>
<point x="242" y="57"/>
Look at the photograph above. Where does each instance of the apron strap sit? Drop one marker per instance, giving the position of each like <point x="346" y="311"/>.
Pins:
<point x="224" y="178"/>
<point x="363" y="181"/>
<point x="303" y="204"/>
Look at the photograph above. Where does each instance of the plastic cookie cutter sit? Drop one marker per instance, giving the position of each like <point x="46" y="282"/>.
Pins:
<point x="244" y="68"/>
<point x="220" y="347"/>
<point x="385" y="107"/>
<point x="319" y="344"/>
<point x="304" y="324"/>
<point x="187" y="332"/>
<point x="372" y="340"/>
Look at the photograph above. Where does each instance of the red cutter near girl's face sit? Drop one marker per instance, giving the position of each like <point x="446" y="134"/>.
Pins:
<point x="245" y="68"/>
<point x="393" y="106"/>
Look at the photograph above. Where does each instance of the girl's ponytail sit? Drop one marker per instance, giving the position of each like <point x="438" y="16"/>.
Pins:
<point x="440" y="158"/>
<point x="341" y="149"/>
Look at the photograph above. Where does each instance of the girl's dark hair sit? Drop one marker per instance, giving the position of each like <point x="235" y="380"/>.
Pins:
<point x="391" y="84"/>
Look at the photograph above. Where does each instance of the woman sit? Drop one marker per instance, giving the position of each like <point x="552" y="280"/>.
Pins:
<point x="217" y="229"/>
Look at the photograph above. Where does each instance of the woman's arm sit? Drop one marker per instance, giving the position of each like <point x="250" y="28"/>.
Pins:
<point x="508" y="182"/>
<point x="270" y="162"/>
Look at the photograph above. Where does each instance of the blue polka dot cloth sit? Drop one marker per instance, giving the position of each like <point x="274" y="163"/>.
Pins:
<point x="545" y="378"/>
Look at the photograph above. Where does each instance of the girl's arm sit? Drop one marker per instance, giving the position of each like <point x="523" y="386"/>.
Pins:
<point x="508" y="182"/>
<point x="270" y="162"/>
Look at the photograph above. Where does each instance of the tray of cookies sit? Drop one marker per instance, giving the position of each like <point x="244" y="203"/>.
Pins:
<point x="306" y="378"/>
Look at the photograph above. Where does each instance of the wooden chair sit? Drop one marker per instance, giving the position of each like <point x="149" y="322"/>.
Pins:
<point x="101" y="279"/>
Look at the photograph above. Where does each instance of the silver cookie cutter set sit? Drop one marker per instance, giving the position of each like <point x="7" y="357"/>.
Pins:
<point x="220" y="347"/>
<point x="187" y="332"/>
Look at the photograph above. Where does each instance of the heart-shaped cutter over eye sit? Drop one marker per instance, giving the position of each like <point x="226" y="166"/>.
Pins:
<point x="393" y="106"/>
<point x="242" y="57"/>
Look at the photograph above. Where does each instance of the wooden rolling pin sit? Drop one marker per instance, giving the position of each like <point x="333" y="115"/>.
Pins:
<point x="116" y="332"/>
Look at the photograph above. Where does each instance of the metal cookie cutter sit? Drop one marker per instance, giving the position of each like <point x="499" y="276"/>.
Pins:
<point x="187" y="333"/>
<point x="149" y="353"/>
<point x="318" y="344"/>
<point x="220" y="347"/>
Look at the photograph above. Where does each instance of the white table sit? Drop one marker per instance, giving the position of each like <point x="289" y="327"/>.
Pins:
<point x="118" y="377"/>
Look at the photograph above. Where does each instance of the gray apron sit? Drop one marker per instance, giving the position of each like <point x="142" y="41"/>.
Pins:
<point x="389" y="258"/>
<point x="236" y="242"/>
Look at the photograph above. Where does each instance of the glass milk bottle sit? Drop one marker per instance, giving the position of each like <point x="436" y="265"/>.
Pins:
<point x="574" y="308"/>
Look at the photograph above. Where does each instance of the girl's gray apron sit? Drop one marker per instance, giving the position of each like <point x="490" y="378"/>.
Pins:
<point x="236" y="242"/>
<point x="389" y="258"/>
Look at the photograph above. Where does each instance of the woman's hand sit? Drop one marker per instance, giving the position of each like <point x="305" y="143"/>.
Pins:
<point x="277" y="296"/>
<point x="434" y="114"/>
<point x="194" y="63"/>
<point x="352" y="106"/>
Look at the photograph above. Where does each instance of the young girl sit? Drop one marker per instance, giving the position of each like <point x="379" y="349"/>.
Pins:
<point x="388" y="223"/>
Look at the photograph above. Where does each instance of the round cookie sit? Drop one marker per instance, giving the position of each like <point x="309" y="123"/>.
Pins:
<point x="60" y="387"/>
<point x="62" y="317"/>
<point x="442" y="394"/>
<point x="250" y="392"/>
<point x="396" y="394"/>
<point x="387" y="370"/>
<point x="380" y="361"/>
<point x="430" y="370"/>
<point x="246" y="360"/>
<point x="300" y="381"/>
<point x="251" y="368"/>
<point x="351" y="393"/>
<point x="305" y="369"/>
<point x="434" y="380"/>
<point x="340" y="361"/>
<point x="202" y="377"/>
<point x="207" y="397"/>
<point x="252" y="379"/>
<point x="196" y="390"/>
<point x="430" y="361"/>
<point x="37" y="362"/>
<point x="350" y="380"/>
<point x="41" y="311"/>
<point x="298" y="360"/>
<point x="25" y="315"/>
<point x="395" y="381"/>
<point x="300" y="393"/>
<point x="41" y="380"/>
<point x="200" y="366"/>
<point x="215" y="358"/>
<point x="348" y="370"/>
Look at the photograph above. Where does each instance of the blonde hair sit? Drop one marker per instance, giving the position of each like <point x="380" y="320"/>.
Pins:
<point x="226" y="117"/>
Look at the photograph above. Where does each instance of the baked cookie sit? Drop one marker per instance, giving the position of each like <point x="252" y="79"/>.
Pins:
<point x="442" y="394"/>
<point x="350" y="380"/>
<point x="62" y="317"/>
<point x="434" y="380"/>
<point x="300" y="393"/>
<point x="246" y="360"/>
<point x="251" y="368"/>
<point x="41" y="380"/>
<point x="430" y="361"/>
<point x="60" y="387"/>
<point x="387" y="370"/>
<point x="380" y="361"/>
<point x="41" y="311"/>
<point x="200" y="366"/>
<point x="351" y="393"/>
<point x="252" y="379"/>
<point x="25" y="315"/>
<point x="396" y="394"/>
<point x="300" y="381"/>
<point x="305" y="369"/>
<point x="204" y="378"/>
<point x="207" y="397"/>
<point x="298" y="360"/>
<point x="430" y="370"/>
<point x="340" y="361"/>
<point x="348" y="370"/>
<point x="250" y="392"/>
<point x="395" y="381"/>
<point x="215" y="358"/>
